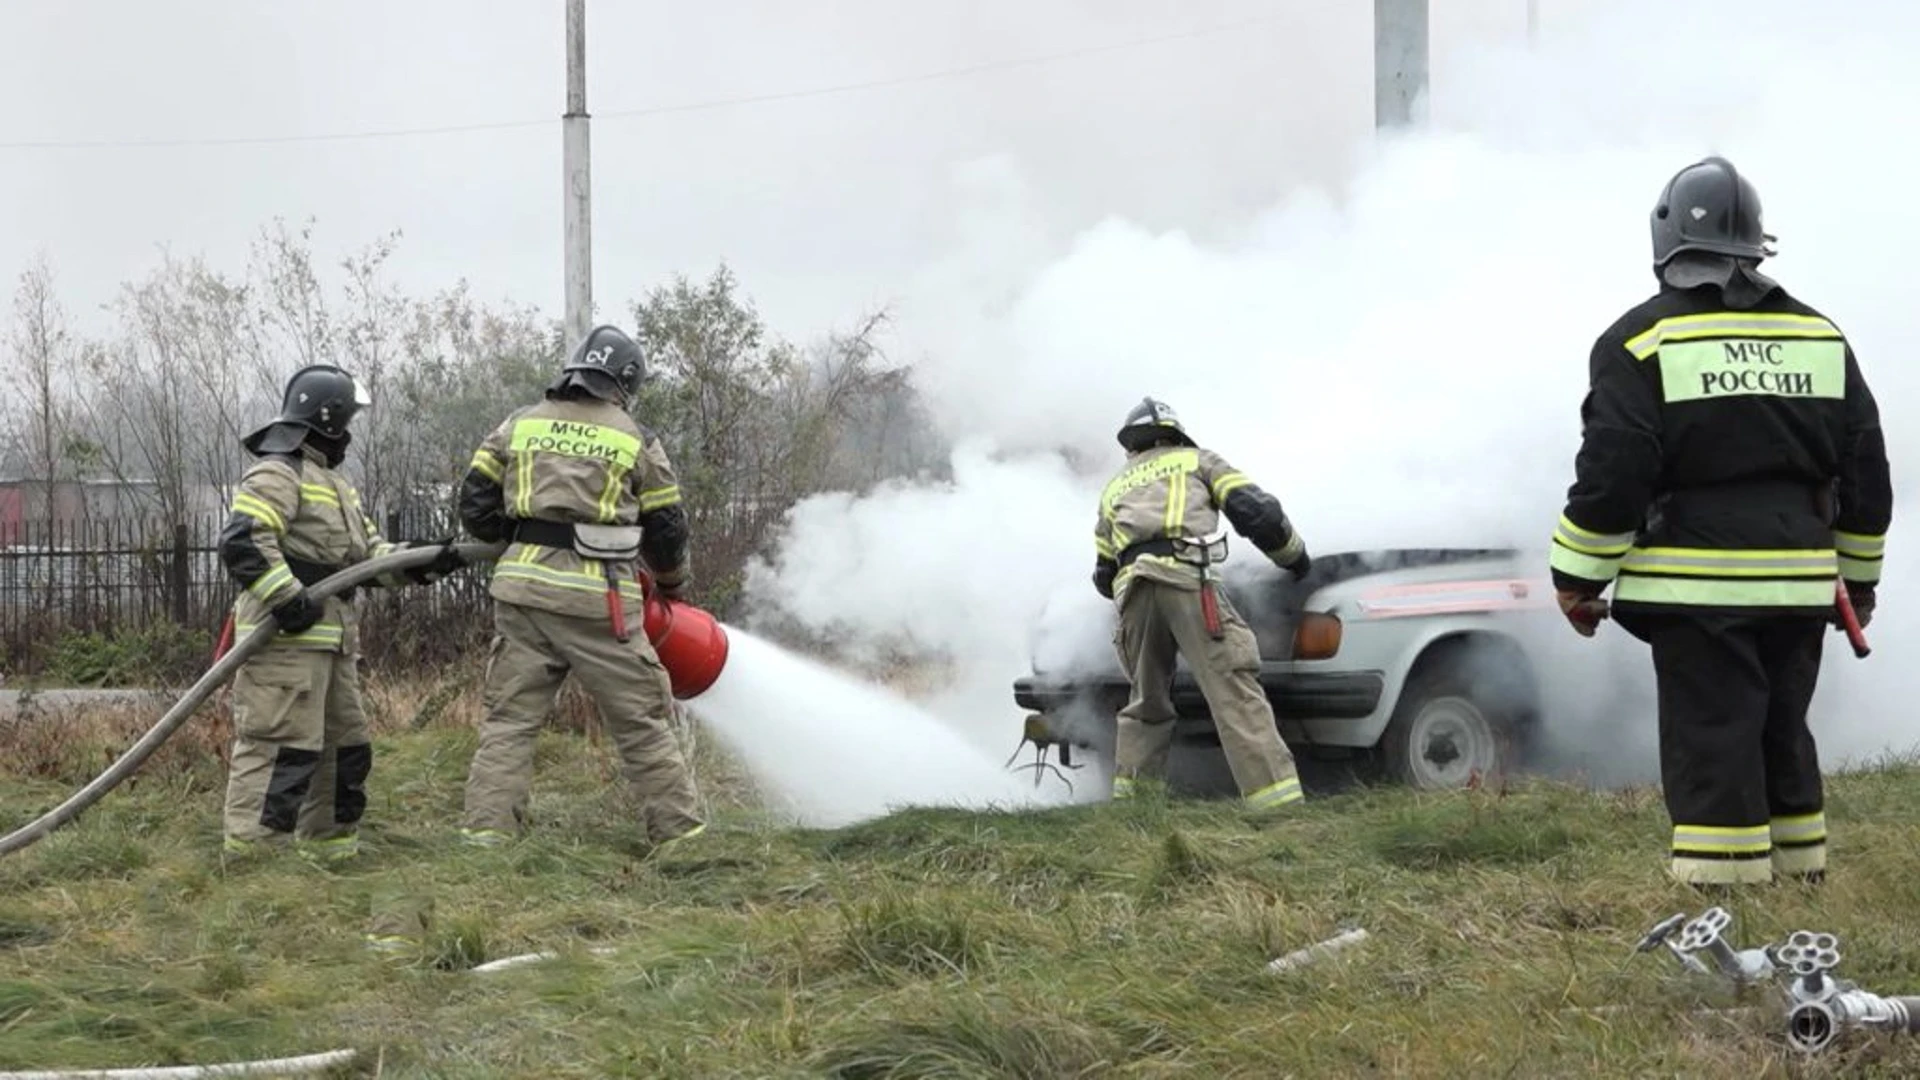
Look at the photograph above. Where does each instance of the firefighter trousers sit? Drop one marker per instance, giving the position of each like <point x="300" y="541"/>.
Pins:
<point x="1738" y="765"/>
<point x="533" y="650"/>
<point x="1159" y="622"/>
<point x="301" y="751"/>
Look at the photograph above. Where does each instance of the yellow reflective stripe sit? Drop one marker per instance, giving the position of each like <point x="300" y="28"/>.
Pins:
<point x="659" y="498"/>
<point x="320" y="493"/>
<point x="564" y="579"/>
<point x="1722" y="839"/>
<point x="1858" y="546"/>
<point x="483" y="463"/>
<point x="573" y="438"/>
<point x="271" y="580"/>
<point x="1290" y="550"/>
<point x="377" y="545"/>
<point x="1742" y="870"/>
<point x="1727" y="324"/>
<point x="610" y="495"/>
<point x="1103" y="548"/>
<point x="318" y="634"/>
<point x="1801" y="859"/>
<point x="1715" y="562"/>
<point x="523" y="484"/>
<point x="1227" y="483"/>
<point x="1278" y="793"/>
<point x="1860" y="571"/>
<point x="1588" y="542"/>
<point x="1176" y="504"/>
<point x="1724" y="592"/>
<point x="1799" y="829"/>
<point x="259" y="511"/>
<point x="1186" y="568"/>
<point x="1585" y="567"/>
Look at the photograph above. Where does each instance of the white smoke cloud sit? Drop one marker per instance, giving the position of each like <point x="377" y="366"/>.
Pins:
<point x="1401" y="361"/>
<point x="952" y="571"/>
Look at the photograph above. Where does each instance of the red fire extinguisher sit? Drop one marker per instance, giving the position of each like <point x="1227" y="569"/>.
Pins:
<point x="691" y="643"/>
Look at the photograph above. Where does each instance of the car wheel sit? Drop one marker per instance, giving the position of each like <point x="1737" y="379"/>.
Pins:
<point x="1444" y="736"/>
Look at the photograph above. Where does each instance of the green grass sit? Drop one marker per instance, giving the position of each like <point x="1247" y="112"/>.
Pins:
<point x="1109" y="940"/>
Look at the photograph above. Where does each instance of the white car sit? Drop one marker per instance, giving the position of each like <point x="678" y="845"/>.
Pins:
<point x="1415" y="661"/>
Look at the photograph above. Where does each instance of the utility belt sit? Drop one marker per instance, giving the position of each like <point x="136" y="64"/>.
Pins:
<point x="1199" y="554"/>
<point x="618" y="543"/>
<point x="609" y="545"/>
<point x="308" y="572"/>
<point x="553" y="534"/>
<point x="1187" y="551"/>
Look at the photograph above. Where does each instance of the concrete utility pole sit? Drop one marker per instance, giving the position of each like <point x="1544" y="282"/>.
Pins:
<point x="579" y="185"/>
<point x="1533" y="22"/>
<point x="1399" y="62"/>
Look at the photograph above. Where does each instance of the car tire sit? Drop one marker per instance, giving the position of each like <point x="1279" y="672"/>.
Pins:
<point x="1445" y="735"/>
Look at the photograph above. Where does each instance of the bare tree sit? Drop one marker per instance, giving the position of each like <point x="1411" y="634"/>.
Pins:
<point x="371" y="347"/>
<point x="753" y="423"/>
<point x="198" y="358"/>
<point x="41" y="349"/>
<point x="294" y="303"/>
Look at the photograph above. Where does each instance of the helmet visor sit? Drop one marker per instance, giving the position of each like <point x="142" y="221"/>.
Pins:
<point x="360" y="398"/>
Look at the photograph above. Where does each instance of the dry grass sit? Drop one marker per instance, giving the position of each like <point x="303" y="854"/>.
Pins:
<point x="1111" y="940"/>
<point x="67" y="744"/>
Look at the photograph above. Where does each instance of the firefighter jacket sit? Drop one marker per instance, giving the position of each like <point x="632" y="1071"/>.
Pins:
<point x="566" y="462"/>
<point x="295" y="521"/>
<point x="1166" y="495"/>
<point x="1730" y="460"/>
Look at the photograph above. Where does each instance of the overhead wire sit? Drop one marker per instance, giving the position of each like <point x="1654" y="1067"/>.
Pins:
<point x="645" y="111"/>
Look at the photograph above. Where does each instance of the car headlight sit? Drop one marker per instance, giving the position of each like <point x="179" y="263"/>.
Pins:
<point x="1317" y="635"/>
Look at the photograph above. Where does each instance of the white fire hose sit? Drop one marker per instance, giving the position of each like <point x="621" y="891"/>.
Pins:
<point x="294" y="1066"/>
<point x="216" y="677"/>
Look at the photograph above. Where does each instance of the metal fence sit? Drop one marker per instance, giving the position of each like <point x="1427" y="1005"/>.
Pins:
<point x="126" y="576"/>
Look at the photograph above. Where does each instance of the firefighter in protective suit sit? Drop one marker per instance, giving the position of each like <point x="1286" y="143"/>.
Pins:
<point x="301" y="751"/>
<point x="1152" y="561"/>
<point x="1731" y="467"/>
<point x="581" y="493"/>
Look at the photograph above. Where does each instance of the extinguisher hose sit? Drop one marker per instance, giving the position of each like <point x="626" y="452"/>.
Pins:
<point x="217" y="676"/>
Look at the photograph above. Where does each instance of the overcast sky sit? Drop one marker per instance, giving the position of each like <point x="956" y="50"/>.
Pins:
<point x="823" y="203"/>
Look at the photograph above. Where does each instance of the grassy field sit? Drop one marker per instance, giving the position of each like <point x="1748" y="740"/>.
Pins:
<point x="1109" y="940"/>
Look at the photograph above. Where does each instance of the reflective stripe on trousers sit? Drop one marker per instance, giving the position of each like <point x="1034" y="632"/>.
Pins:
<point x="1278" y="793"/>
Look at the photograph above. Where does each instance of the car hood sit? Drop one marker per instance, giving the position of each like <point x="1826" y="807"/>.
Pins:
<point x="1073" y="637"/>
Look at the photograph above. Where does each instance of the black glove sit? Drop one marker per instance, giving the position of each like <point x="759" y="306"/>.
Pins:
<point x="1300" y="566"/>
<point x="675" y="591"/>
<point x="1103" y="575"/>
<point x="296" y="616"/>
<point x="446" y="562"/>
